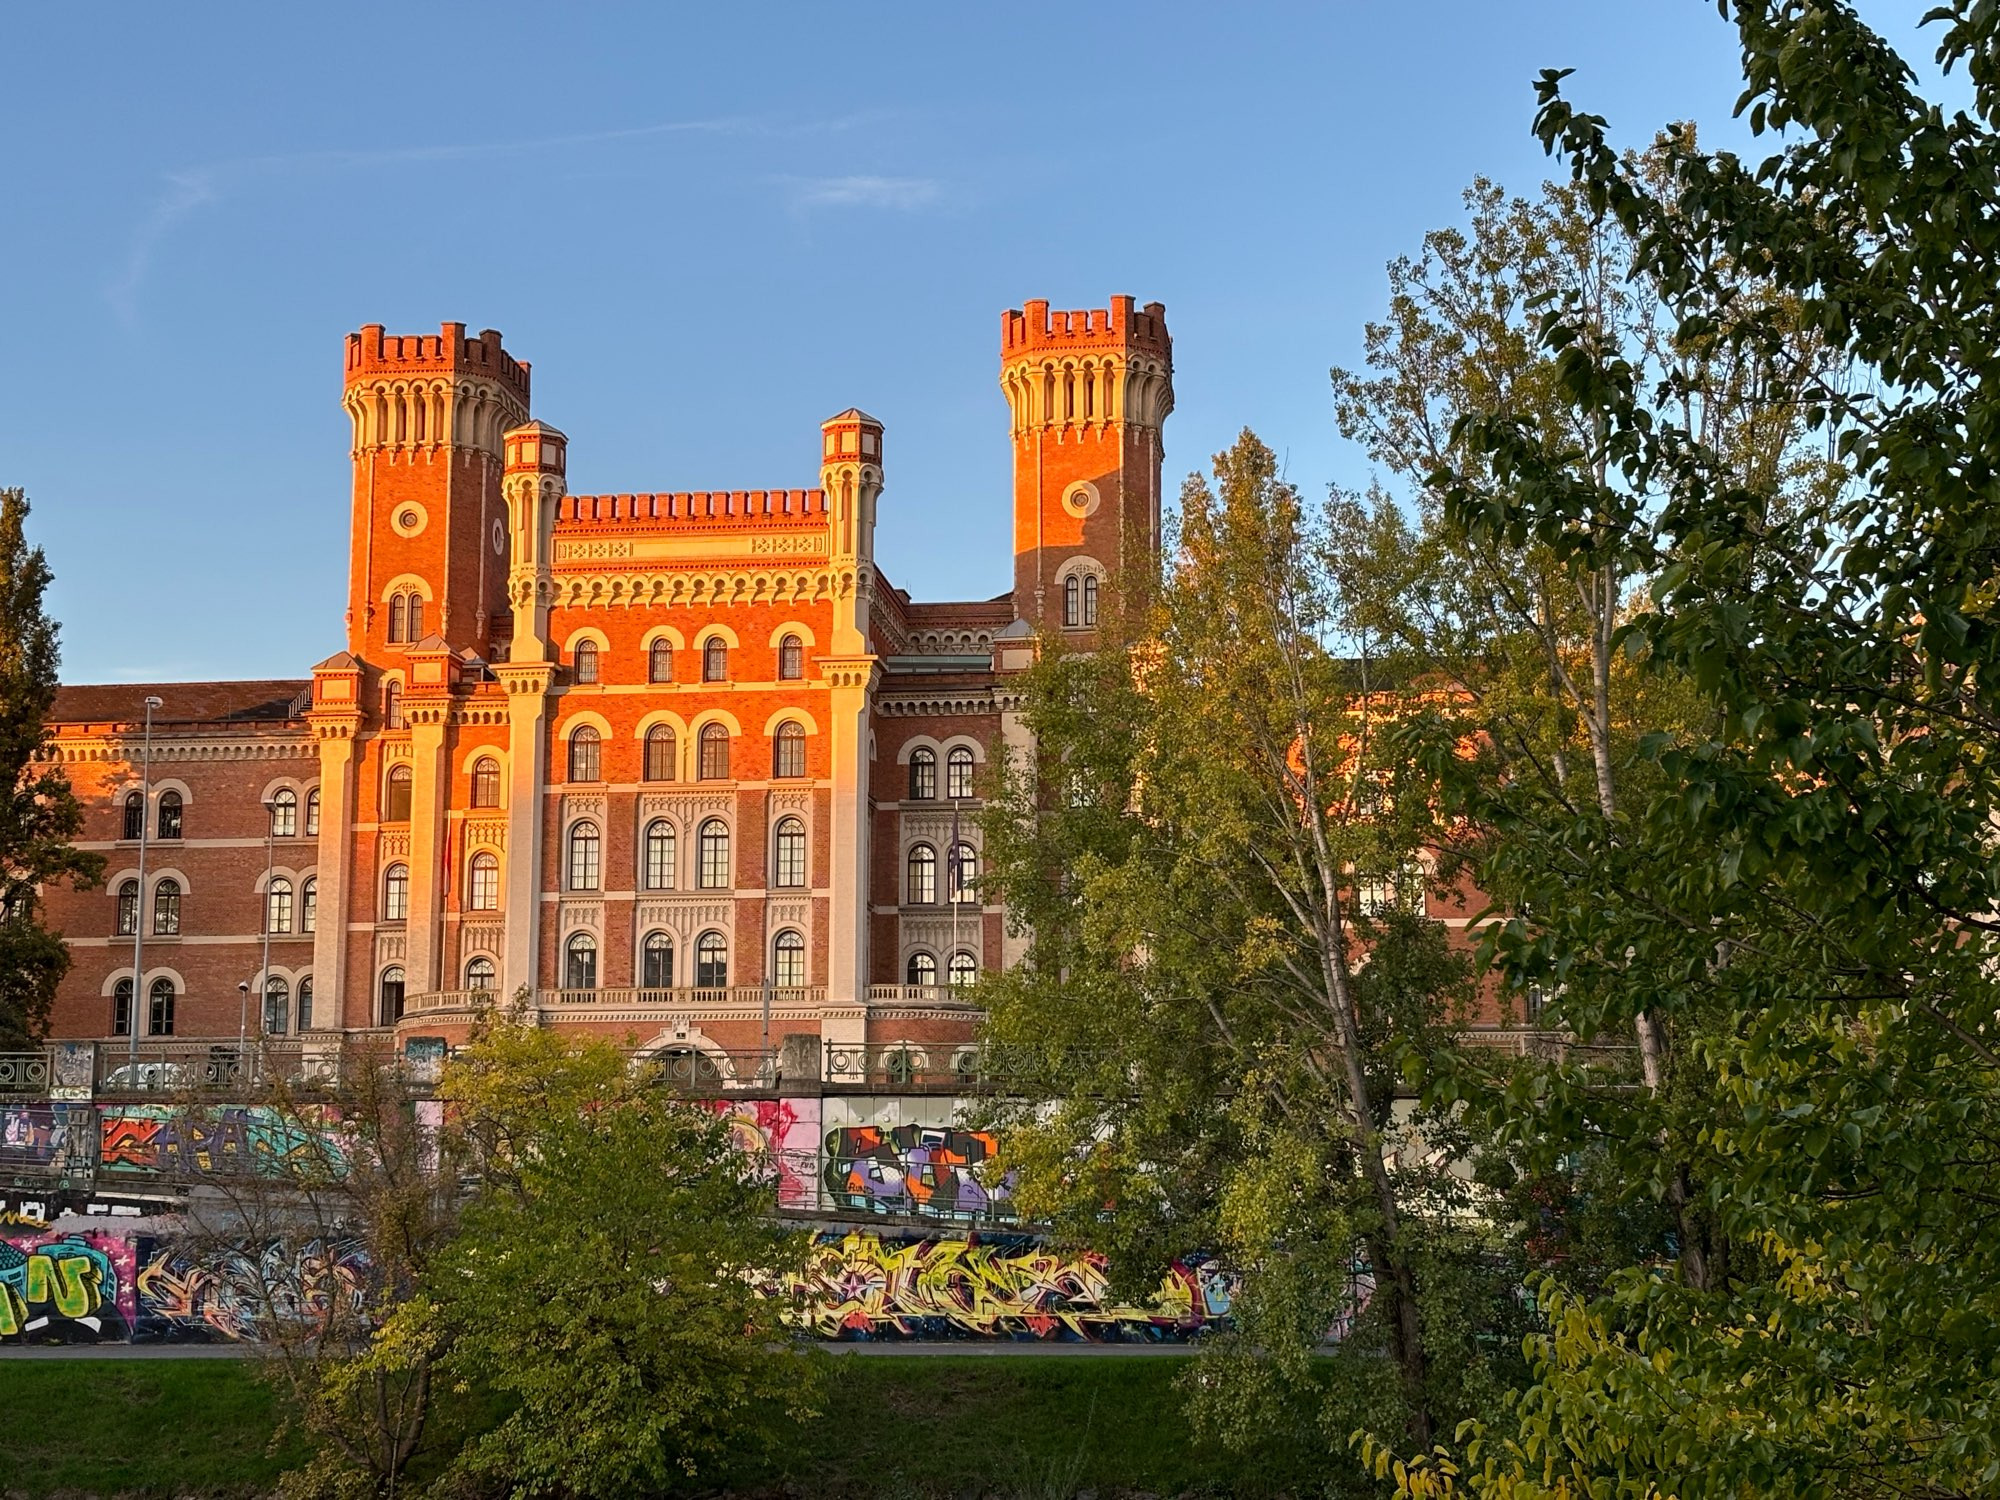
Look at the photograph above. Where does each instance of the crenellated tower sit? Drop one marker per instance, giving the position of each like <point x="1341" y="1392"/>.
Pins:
<point x="429" y="541"/>
<point x="1087" y="393"/>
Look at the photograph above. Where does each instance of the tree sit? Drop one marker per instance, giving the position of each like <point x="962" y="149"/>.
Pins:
<point x="1804" y="899"/>
<point x="1221" y="1019"/>
<point x="39" y="816"/>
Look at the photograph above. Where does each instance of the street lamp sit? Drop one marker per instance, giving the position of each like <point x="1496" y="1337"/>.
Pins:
<point x="139" y="904"/>
<point x="264" y="973"/>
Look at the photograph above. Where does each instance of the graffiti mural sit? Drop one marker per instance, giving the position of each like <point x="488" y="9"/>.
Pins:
<point x="231" y="1293"/>
<point x="863" y="1286"/>
<point x="220" y="1141"/>
<point x="65" y="1287"/>
<point x="785" y="1133"/>
<point x="927" y="1170"/>
<point x="37" y="1136"/>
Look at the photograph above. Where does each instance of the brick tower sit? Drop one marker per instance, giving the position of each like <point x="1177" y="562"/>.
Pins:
<point x="1086" y="392"/>
<point x="429" y="541"/>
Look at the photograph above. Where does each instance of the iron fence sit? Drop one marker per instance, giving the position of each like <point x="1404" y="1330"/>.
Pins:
<point x="24" y="1073"/>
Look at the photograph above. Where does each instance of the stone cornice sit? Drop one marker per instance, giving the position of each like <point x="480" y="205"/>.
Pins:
<point x="263" y="744"/>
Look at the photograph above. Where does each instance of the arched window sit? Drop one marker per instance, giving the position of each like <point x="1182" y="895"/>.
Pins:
<point x="791" y="659"/>
<point x="583" y="662"/>
<point x="121" y="1008"/>
<point x="482" y="883"/>
<point x="580" y="962"/>
<point x="923" y="775"/>
<point x="788" y="749"/>
<point x="583" y="850"/>
<point x="392" y="997"/>
<point x="160" y="1008"/>
<point x="128" y="908"/>
<point x="714" y="744"/>
<point x="312" y="814"/>
<point x="788" y="960"/>
<point x="416" y="618"/>
<point x="135" y="815"/>
<point x="715" y="660"/>
<point x="1089" y="599"/>
<point x="306" y="1003"/>
<point x="480" y="973"/>
<point x="167" y="908"/>
<point x="922" y="969"/>
<point x="392" y="704"/>
<point x="396" y="796"/>
<point x="277" y="1006"/>
<point x="309" y="905"/>
<point x="958" y="773"/>
<point x="788" y="862"/>
<point x="712" y="850"/>
<point x="486" y="782"/>
<point x="278" y="906"/>
<point x="964" y="968"/>
<point x="923" y="876"/>
<point x="583" y="759"/>
<point x="285" y="814"/>
<point x="1072" y="601"/>
<point x="656" y="966"/>
<point x="660" y="661"/>
<point x="396" y="619"/>
<point x="661" y="855"/>
<point x="964" y="873"/>
<point x="170" y="815"/>
<point x="396" y="893"/>
<point x="662" y="751"/>
<point x="711" y="961"/>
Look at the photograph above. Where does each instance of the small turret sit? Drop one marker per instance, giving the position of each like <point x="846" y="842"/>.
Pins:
<point x="537" y="455"/>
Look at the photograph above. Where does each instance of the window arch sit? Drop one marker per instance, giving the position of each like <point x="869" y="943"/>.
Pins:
<point x="167" y="908"/>
<point x="922" y="969"/>
<point x="121" y="1008"/>
<point x="312" y="814"/>
<point x="128" y="908"/>
<point x="958" y="772"/>
<point x="712" y="851"/>
<point x="714" y="752"/>
<point x="656" y="962"/>
<point x="661" y="855"/>
<point x="922" y="883"/>
<point x="480" y="973"/>
<point x="791" y="659"/>
<point x="486" y="782"/>
<point x="711" y="961"/>
<point x="584" y="745"/>
<point x="788" y="749"/>
<point x="170" y="815"/>
<point x="391" y="996"/>
<point x="135" y="815"/>
<point x="662" y="751"/>
<point x="963" y="874"/>
<point x="277" y="1006"/>
<point x="580" y="962"/>
<point x="788" y="862"/>
<point x="278" y="906"/>
<point x="1089" y="600"/>
<point x="392" y="704"/>
<point x="583" y="662"/>
<point x="584" y="845"/>
<point x="482" y="882"/>
<point x="1072" y="601"/>
<point x="923" y="775"/>
<point x="964" y="968"/>
<point x="309" y="905"/>
<point x="415" y="603"/>
<point x="396" y="893"/>
<point x="396" y="636"/>
<point x="396" y="796"/>
<point x="715" y="660"/>
<point x="285" y="813"/>
<point x="160" y="1008"/>
<point x="788" y="960"/>
<point x="660" y="661"/>
<point x="306" y="1003"/>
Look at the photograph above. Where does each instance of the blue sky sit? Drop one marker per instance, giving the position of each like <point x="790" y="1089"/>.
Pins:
<point x="708" y="228"/>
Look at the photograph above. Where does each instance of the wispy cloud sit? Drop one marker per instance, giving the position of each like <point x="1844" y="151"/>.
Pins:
<point x="903" y="194"/>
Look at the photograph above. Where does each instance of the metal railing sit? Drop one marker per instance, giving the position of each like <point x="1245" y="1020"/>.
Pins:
<point x="24" y="1073"/>
<point x="168" y="1068"/>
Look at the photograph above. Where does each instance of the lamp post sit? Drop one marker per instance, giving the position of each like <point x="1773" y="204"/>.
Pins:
<point x="139" y="901"/>
<point x="264" y="973"/>
<point x="242" y="1021"/>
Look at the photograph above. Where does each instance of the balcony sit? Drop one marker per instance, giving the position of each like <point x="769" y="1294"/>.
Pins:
<point x="696" y="1001"/>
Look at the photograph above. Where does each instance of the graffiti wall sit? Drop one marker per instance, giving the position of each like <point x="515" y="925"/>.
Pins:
<point x="39" y="1137"/>
<point x="72" y="1287"/>
<point x="785" y="1134"/>
<point x="887" y="1155"/>
<point x="222" y="1140"/>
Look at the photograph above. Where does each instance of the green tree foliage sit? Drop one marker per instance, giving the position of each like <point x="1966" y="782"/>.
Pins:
<point x="39" y="816"/>
<point x="1804" y="896"/>
<point x="1221" y="1017"/>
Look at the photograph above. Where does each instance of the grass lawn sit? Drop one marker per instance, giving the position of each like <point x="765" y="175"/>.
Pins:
<point x="916" y="1427"/>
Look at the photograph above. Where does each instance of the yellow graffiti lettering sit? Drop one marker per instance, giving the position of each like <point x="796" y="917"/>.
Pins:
<point x="10" y="1316"/>
<point x="71" y="1283"/>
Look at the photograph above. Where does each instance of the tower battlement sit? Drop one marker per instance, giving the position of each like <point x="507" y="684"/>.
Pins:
<point x="739" y="507"/>
<point x="373" y="355"/>
<point x="1032" y="328"/>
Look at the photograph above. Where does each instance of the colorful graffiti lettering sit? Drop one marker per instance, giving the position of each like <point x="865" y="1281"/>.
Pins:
<point x="862" y="1286"/>
<point x="64" y="1288"/>
<point x="237" y="1294"/>
<point x="784" y="1133"/>
<point x="928" y="1170"/>
<point x="229" y="1140"/>
<point x="34" y="1135"/>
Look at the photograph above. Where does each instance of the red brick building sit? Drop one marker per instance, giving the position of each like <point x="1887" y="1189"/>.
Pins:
<point x="683" y="766"/>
